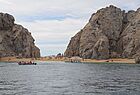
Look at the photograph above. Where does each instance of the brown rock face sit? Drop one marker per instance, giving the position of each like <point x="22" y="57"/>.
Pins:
<point x="15" y="40"/>
<point x="110" y="33"/>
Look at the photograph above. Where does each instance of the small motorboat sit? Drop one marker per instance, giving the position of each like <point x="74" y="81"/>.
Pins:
<point x="27" y="63"/>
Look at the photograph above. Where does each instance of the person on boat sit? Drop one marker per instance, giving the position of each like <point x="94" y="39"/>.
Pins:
<point x="22" y="62"/>
<point x="30" y="62"/>
<point x="26" y="62"/>
<point x="19" y="62"/>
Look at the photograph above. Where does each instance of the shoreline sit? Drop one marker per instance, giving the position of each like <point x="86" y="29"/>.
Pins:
<point x="117" y="60"/>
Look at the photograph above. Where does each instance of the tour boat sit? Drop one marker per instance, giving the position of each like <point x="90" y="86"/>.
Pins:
<point x="27" y="63"/>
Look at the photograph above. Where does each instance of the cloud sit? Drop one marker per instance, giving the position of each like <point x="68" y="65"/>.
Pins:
<point x="50" y="7"/>
<point x="73" y="8"/>
<point x="6" y="2"/>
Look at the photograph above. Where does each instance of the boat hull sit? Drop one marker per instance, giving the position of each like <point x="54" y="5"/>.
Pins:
<point x="27" y="63"/>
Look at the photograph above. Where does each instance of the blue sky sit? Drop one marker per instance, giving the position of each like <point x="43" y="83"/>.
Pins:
<point x="53" y="22"/>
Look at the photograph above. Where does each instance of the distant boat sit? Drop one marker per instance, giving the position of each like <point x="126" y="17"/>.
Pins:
<point x="27" y="63"/>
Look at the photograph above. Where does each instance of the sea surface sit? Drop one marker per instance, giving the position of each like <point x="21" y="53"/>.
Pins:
<point x="60" y="78"/>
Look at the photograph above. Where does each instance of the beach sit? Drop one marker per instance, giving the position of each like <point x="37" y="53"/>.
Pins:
<point x="117" y="60"/>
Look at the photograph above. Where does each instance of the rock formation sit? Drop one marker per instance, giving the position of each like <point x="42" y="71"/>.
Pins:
<point x="110" y="33"/>
<point x="15" y="40"/>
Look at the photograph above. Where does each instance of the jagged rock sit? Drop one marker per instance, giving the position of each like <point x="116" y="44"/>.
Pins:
<point x="109" y="33"/>
<point x="73" y="50"/>
<point x="15" y="40"/>
<point x="6" y="21"/>
<point x="137" y="60"/>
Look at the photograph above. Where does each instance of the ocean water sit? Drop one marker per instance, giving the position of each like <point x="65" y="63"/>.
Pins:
<point x="59" y="78"/>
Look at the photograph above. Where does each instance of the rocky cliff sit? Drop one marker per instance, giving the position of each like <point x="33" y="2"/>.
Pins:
<point x="15" y="40"/>
<point x="110" y="33"/>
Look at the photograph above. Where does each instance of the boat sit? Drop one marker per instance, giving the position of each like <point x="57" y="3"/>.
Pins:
<point x="27" y="63"/>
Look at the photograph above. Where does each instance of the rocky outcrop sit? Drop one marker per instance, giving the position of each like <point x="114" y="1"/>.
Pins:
<point x="110" y="33"/>
<point x="15" y="40"/>
<point x="137" y="60"/>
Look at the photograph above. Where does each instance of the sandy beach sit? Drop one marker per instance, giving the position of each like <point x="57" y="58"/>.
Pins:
<point x="118" y="60"/>
<point x="111" y="61"/>
<point x="14" y="59"/>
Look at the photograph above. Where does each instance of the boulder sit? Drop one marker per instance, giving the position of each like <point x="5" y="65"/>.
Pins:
<point x="6" y="21"/>
<point x="137" y="60"/>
